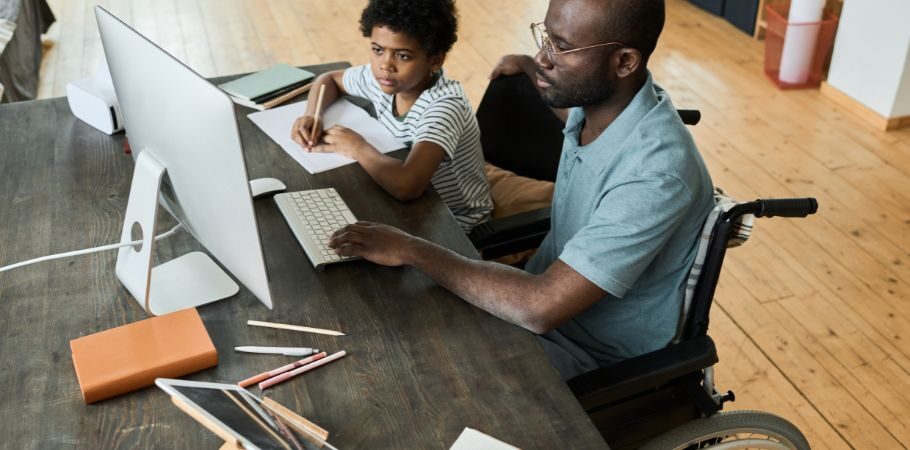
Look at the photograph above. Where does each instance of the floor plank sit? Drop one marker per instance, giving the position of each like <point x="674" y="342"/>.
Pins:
<point x="760" y="385"/>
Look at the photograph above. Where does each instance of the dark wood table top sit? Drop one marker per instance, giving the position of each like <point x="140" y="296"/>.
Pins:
<point x="422" y="364"/>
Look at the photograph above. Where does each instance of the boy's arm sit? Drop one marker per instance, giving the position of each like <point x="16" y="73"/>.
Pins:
<point x="334" y="88"/>
<point x="405" y="180"/>
<point x="435" y="136"/>
<point x="302" y="130"/>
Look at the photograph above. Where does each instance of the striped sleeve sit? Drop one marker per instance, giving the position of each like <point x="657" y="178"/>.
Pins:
<point x="356" y="80"/>
<point x="442" y="123"/>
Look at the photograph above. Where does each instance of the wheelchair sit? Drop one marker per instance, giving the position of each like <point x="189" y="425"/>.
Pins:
<point x="665" y="399"/>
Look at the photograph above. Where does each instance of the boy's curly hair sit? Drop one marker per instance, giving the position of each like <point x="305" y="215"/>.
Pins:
<point x="432" y="22"/>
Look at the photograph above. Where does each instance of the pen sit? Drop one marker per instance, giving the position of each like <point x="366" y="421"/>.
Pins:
<point x="272" y="373"/>
<point x="287" y="351"/>
<point x="288" y="375"/>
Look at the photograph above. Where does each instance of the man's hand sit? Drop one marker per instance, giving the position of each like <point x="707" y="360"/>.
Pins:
<point x="513" y="65"/>
<point x="302" y="132"/>
<point x="343" y="141"/>
<point x="381" y="244"/>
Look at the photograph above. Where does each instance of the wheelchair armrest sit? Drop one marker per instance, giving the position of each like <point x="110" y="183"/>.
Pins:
<point x="602" y="386"/>
<point x="515" y="233"/>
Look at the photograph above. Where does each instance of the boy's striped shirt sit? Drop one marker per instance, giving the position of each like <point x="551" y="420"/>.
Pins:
<point x="441" y="115"/>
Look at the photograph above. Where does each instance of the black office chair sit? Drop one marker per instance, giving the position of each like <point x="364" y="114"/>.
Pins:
<point x="521" y="134"/>
<point x="666" y="399"/>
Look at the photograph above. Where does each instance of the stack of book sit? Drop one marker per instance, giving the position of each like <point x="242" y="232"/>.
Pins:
<point x="270" y="87"/>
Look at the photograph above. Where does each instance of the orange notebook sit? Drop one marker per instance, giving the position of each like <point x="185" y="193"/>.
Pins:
<point x="131" y="356"/>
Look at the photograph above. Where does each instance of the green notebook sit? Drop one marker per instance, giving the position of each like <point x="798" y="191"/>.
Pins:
<point x="258" y="84"/>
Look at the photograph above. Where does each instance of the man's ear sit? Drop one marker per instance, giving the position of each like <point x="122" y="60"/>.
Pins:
<point x="436" y="61"/>
<point x="629" y="62"/>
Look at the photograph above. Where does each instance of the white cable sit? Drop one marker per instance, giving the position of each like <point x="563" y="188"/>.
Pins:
<point x="89" y="250"/>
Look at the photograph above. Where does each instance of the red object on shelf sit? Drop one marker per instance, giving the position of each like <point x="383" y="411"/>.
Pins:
<point x="776" y="33"/>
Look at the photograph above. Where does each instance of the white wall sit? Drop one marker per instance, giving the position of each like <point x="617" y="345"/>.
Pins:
<point x="870" y="55"/>
<point x="902" y="101"/>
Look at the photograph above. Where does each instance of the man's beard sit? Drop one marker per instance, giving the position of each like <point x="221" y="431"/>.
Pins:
<point x="578" y="95"/>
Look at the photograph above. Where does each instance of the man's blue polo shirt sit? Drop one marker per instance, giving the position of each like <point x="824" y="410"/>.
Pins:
<point x="627" y="211"/>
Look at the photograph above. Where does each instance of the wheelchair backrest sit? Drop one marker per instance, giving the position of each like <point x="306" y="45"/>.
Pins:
<point x="697" y="317"/>
<point x="518" y="131"/>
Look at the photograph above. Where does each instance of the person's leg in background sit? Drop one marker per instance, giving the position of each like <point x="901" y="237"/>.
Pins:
<point x="514" y="194"/>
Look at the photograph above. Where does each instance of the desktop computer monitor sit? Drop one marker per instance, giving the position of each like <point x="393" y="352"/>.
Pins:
<point x="189" y="159"/>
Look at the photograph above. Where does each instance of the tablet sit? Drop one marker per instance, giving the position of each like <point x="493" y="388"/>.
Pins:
<point x="231" y="408"/>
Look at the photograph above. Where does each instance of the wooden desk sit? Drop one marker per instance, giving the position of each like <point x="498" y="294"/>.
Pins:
<point x="422" y="364"/>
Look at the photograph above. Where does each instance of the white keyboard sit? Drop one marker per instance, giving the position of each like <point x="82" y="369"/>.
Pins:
<point x="313" y="216"/>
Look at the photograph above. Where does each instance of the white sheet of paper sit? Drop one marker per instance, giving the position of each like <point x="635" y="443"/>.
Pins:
<point x="471" y="439"/>
<point x="277" y="122"/>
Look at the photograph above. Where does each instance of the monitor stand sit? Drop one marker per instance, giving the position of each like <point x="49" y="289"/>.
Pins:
<point x="185" y="282"/>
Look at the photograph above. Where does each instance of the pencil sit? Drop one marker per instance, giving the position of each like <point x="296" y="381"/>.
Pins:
<point x="285" y="97"/>
<point x="257" y="420"/>
<point x="259" y="323"/>
<point x="283" y="429"/>
<point x="309" y="430"/>
<point x="266" y="375"/>
<point x="318" y="108"/>
<point x="288" y="375"/>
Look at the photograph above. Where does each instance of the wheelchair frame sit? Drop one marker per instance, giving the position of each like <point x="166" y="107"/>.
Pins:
<point x="638" y="399"/>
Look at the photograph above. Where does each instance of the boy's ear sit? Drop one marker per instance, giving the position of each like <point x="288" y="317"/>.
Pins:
<point x="436" y="61"/>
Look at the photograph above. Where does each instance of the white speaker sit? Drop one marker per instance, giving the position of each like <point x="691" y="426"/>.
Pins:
<point x="94" y="102"/>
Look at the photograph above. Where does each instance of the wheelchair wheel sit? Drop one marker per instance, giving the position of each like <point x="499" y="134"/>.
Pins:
<point x="733" y="430"/>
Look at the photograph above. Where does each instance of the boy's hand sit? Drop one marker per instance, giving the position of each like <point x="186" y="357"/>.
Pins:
<point x="512" y="65"/>
<point x="343" y="141"/>
<point x="302" y="132"/>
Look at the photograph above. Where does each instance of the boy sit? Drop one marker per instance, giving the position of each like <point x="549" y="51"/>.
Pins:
<point x="416" y="103"/>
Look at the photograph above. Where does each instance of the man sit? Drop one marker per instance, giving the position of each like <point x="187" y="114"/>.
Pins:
<point x="631" y="195"/>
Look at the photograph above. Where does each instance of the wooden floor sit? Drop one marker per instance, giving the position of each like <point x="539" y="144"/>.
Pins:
<point x="813" y="316"/>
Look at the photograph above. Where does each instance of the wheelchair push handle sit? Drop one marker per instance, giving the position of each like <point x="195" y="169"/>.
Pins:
<point x="689" y="116"/>
<point x="786" y="207"/>
<point x="781" y="207"/>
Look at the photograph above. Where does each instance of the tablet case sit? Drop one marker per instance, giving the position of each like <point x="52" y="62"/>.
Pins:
<point x="130" y="357"/>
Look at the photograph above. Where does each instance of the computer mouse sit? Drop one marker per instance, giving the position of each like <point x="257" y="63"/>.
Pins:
<point x="265" y="186"/>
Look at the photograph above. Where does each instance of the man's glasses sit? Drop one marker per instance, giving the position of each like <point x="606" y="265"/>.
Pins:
<point x="542" y="39"/>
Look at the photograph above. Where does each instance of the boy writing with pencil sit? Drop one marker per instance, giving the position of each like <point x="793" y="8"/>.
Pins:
<point x="414" y="100"/>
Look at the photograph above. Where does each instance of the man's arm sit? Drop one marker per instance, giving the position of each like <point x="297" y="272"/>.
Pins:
<point x="515" y="64"/>
<point x="538" y="303"/>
